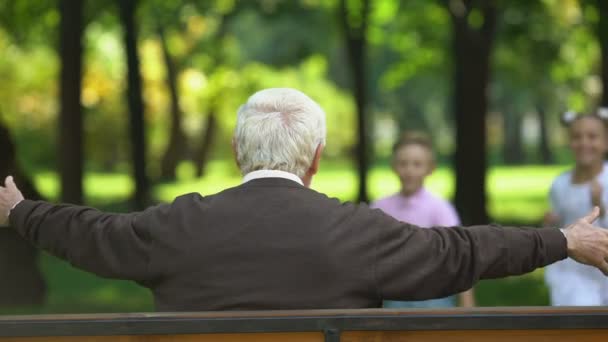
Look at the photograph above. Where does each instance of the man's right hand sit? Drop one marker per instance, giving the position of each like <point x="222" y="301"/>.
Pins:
<point x="588" y="244"/>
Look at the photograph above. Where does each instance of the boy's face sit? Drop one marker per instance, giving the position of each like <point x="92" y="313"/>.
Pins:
<point x="412" y="163"/>
<point x="588" y="141"/>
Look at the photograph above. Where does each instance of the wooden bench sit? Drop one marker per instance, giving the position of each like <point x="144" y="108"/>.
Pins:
<point x="369" y="325"/>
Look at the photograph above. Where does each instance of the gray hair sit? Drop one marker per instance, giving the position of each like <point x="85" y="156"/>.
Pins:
<point x="278" y="129"/>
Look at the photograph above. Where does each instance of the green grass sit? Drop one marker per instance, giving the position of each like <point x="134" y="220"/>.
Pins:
<point x="73" y="290"/>
<point x="516" y="194"/>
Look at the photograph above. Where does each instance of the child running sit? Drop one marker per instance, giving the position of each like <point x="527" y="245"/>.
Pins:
<point x="572" y="193"/>
<point x="413" y="160"/>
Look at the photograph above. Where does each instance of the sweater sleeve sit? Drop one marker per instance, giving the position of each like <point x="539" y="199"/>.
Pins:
<point x="415" y="263"/>
<point x="109" y="245"/>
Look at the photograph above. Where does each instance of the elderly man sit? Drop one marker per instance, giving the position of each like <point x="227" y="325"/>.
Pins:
<point x="273" y="243"/>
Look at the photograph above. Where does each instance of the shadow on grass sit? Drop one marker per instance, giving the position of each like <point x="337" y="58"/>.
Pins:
<point x="526" y="290"/>
<point x="71" y="290"/>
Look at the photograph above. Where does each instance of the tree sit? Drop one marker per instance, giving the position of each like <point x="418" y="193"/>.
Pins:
<point x="181" y="47"/>
<point x="135" y="101"/>
<point x="203" y="151"/>
<point x="525" y="56"/>
<point x="176" y="148"/>
<point x="354" y="17"/>
<point x="474" y="24"/>
<point x="409" y="44"/>
<point x="546" y="157"/>
<point x="70" y="144"/>
<point x="601" y="31"/>
<point x="512" y="147"/>
<point x="22" y="283"/>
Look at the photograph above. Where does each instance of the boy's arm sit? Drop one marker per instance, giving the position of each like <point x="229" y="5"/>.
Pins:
<point x="467" y="299"/>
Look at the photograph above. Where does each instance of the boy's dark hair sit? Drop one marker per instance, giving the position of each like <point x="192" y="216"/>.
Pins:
<point x="414" y="138"/>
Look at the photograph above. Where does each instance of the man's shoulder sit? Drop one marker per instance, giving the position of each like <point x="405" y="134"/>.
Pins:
<point x="189" y="198"/>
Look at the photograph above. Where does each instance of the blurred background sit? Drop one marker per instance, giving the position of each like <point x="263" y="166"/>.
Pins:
<point x="122" y="104"/>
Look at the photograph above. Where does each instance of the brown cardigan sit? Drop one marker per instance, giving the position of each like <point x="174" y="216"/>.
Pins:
<point x="274" y="244"/>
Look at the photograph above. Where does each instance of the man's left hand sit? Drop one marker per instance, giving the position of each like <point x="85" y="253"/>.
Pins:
<point x="10" y="196"/>
<point x="588" y="244"/>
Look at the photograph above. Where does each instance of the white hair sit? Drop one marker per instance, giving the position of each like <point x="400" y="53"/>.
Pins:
<point x="278" y="129"/>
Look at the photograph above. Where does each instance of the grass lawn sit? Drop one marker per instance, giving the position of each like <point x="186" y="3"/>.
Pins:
<point x="516" y="195"/>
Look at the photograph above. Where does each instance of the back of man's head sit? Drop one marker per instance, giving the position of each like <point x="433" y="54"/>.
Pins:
<point x="278" y="129"/>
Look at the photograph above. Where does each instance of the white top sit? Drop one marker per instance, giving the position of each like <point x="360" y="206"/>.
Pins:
<point x="571" y="283"/>
<point x="573" y="201"/>
<point x="271" y="174"/>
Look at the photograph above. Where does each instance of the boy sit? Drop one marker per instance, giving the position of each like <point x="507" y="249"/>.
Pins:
<point x="413" y="160"/>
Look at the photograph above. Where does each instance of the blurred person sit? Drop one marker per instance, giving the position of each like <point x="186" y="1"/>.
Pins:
<point x="413" y="160"/>
<point x="274" y="243"/>
<point x="577" y="191"/>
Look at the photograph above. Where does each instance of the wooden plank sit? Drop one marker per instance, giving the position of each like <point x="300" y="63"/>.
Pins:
<point x="352" y="336"/>
<point x="253" y="337"/>
<point x="322" y="313"/>
<point x="315" y="321"/>
<point x="477" y="336"/>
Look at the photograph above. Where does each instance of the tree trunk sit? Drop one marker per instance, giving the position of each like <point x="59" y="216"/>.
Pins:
<point x="176" y="147"/>
<point x="512" y="147"/>
<point x="412" y="118"/>
<point x="471" y="48"/>
<point x="22" y="283"/>
<point x="602" y="36"/>
<point x="546" y="156"/>
<point x="70" y="144"/>
<point x="356" y="44"/>
<point x="202" y="154"/>
<point x="136" y="106"/>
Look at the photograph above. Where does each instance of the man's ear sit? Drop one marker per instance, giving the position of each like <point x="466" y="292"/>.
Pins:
<point x="235" y="153"/>
<point x="314" y="167"/>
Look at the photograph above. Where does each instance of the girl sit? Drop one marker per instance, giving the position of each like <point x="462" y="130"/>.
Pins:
<point x="413" y="161"/>
<point x="573" y="193"/>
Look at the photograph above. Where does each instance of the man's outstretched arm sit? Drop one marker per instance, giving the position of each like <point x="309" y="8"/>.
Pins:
<point x="415" y="263"/>
<point x="110" y="245"/>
